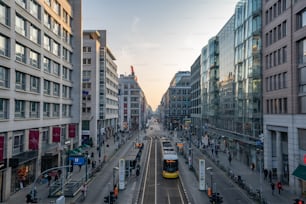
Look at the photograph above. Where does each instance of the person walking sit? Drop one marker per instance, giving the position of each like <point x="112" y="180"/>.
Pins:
<point x="279" y="187"/>
<point x="49" y="179"/>
<point x="273" y="188"/>
<point x="229" y="158"/>
<point x="84" y="191"/>
<point x="265" y="174"/>
<point x="270" y="176"/>
<point x="116" y="191"/>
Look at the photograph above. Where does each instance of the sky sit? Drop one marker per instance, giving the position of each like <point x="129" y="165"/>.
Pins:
<point x="157" y="37"/>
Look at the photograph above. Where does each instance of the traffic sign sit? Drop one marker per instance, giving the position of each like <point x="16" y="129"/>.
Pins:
<point x="77" y="160"/>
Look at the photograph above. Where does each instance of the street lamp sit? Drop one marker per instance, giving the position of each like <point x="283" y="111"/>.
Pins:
<point x="210" y="169"/>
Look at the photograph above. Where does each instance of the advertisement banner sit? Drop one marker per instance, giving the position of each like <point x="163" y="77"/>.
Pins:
<point x="202" y="175"/>
<point x="121" y="174"/>
<point x="1" y="148"/>
<point x="71" y="129"/>
<point x="33" y="139"/>
<point x="56" y="134"/>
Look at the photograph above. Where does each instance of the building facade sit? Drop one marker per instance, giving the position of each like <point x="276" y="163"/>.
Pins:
<point x="177" y="102"/>
<point x="40" y="87"/>
<point x="134" y="110"/>
<point x="284" y="99"/>
<point x="195" y="100"/>
<point x="100" y="89"/>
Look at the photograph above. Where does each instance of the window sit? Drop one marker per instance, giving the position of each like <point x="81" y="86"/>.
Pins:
<point x="302" y="80"/>
<point x="301" y="19"/>
<point x="4" y="15"/>
<point x="56" y="7"/>
<point x="87" y="61"/>
<point x="4" y="103"/>
<point x="34" y="84"/>
<point x="34" y="59"/>
<point x="47" y="87"/>
<point x="65" y="16"/>
<point x="47" y="20"/>
<point x="4" y="77"/>
<point x="66" y="54"/>
<point x="47" y="43"/>
<point x="66" y="35"/>
<point x="56" y="48"/>
<point x="4" y="45"/>
<point x="18" y="143"/>
<point x="86" y="49"/>
<point x="302" y="140"/>
<point x="56" y="88"/>
<point x="19" y="109"/>
<point x="20" y="81"/>
<point x="34" y="9"/>
<point x="47" y="65"/>
<point x="56" y="28"/>
<point x="65" y="73"/>
<point x="20" y="25"/>
<point x="20" y="53"/>
<point x="46" y="109"/>
<point x="56" y="68"/>
<point x="56" y="110"/>
<point x="34" y="109"/>
<point x="302" y="51"/>
<point x="34" y="34"/>
<point x="65" y="110"/>
<point x="285" y="54"/>
<point x="284" y="27"/>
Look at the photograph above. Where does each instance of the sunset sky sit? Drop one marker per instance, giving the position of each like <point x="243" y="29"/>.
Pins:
<point x="157" y="37"/>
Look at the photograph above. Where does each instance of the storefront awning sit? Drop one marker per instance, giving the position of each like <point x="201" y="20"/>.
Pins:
<point x="300" y="172"/>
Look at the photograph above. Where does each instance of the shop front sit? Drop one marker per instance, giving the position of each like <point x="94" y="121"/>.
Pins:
<point x="23" y="170"/>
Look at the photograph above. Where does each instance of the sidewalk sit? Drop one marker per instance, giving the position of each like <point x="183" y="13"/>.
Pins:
<point x="252" y="178"/>
<point x="77" y="175"/>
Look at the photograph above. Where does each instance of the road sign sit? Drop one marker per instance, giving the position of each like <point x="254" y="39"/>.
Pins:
<point x="77" y="160"/>
<point x="202" y="174"/>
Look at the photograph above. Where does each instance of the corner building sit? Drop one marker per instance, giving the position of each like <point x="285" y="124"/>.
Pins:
<point x="284" y="98"/>
<point x="40" y="86"/>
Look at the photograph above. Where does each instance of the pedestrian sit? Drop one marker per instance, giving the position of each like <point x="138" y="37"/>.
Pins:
<point x="92" y="155"/>
<point x="279" y="187"/>
<point x="252" y="166"/>
<point x="28" y="198"/>
<point x="229" y="158"/>
<point x="56" y="177"/>
<point x="80" y="167"/>
<point x="49" y="180"/>
<point x="273" y="188"/>
<point x="265" y="173"/>
<point x="270" y="176"/>
<point x="116" y="191"/>
<point x="212" y="151"/>
<point x="84" y="191"/>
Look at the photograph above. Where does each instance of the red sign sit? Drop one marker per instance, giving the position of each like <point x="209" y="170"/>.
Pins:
<point x="304" y="158"/>
<point x="1" y="148"/>
<point x="33" y="139"/>
<point x="56" y="136"/>
<point x="71" y="129"/>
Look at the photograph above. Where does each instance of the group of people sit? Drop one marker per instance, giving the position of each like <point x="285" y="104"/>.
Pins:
<point x="268" y="174"/>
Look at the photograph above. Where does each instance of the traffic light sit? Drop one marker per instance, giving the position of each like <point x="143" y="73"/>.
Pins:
<point x="112" y="197"/>
<point x="300" y="202"/>
<point x="106" y="199"/>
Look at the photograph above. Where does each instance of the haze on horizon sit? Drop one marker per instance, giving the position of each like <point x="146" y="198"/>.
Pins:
<point x="158" y="38"/>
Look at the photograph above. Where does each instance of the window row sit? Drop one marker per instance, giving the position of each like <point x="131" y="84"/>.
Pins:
<point x="31" y="109"/>
<point x="276" y="58"/>
<point x="277" y="81"/>
<point x="35" y="9"/>
<point x="277" y="9"/>
<point x="277" y="33"/>
<point x="277" y="106"/>
<point x="26" y="82"/>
